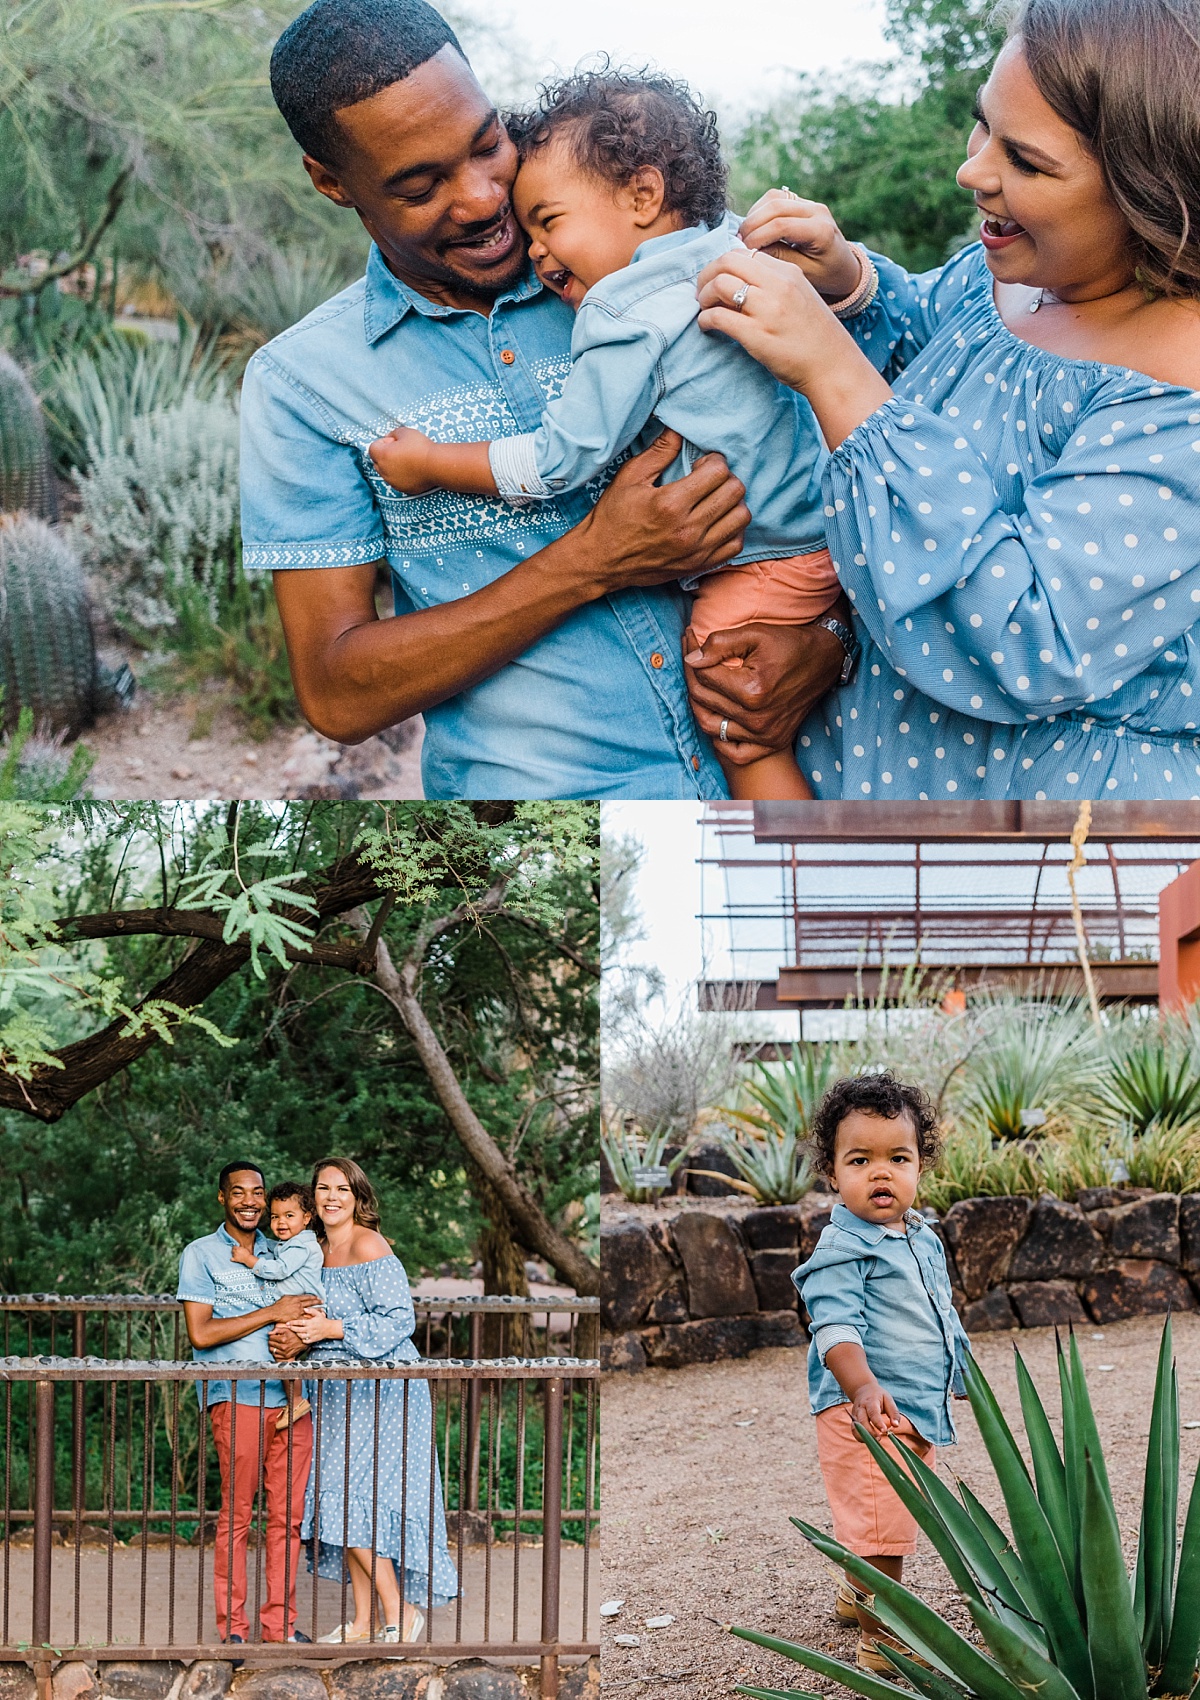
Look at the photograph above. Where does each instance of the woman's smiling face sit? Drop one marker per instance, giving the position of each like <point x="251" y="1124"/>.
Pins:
<point x="334" y="1196"/>
<point x="1048" y="218"/>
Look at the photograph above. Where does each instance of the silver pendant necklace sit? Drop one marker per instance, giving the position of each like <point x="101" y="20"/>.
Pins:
<point x="1037" y="302"/>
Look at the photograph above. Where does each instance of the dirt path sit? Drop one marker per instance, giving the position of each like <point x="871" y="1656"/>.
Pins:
<point x="702" y="1468"/>
<point x="150" y="750"/>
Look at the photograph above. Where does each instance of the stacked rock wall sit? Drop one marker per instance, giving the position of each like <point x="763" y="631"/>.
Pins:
<point x="693" y="1285"/>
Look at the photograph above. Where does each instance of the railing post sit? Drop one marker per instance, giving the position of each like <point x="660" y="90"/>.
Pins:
<point x="43" y="1530"/>
<point x="552" y="1465"/>
<point x="474" y="1406"/>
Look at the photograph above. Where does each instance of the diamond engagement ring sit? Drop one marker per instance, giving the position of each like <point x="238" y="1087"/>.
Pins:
<point x="739" y="299"/>
<point x="723" y="734"/>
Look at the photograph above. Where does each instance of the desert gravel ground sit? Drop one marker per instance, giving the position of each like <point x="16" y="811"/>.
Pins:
<point x="704" y="1466"/>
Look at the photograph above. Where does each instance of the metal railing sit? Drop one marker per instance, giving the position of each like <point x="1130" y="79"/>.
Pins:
<point x="118" y="1563"/>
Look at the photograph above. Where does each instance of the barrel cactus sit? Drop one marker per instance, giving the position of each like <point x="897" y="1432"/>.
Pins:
<point x="47" y="652"/>
<point x="26" y="470"/>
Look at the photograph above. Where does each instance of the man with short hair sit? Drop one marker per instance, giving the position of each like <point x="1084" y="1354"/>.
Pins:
<point x="227" y="1323"/>
<point x="541" y="643"/>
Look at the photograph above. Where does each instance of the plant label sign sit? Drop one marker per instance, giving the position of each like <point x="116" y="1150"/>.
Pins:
<point x="658" y="1176"/>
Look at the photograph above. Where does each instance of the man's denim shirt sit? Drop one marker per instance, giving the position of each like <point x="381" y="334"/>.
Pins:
<point x="208" y="1275"/>
<point x="596" y="708"/>
<point x="638" y="352"/>
<point x="891" y="1295"/>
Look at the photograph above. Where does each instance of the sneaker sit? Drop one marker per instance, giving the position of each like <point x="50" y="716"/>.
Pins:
<point x="870" y="1658"/>
<point x="301" y="1636"/>
<point x="416" y="1627"/>
<point x="344" y="1632"/>
<point x="846" y="1601"/>
<point x="239" y="1640"/>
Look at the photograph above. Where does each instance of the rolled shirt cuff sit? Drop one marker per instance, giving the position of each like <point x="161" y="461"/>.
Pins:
<point x="513" y="462"/>
<point x="835" y="1334"/>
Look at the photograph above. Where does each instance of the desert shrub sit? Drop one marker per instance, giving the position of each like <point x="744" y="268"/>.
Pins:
<point x="158" y="519"/>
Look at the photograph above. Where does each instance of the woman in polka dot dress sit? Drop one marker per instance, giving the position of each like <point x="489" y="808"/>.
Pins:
<point x="1016" y="517"/>
<point x="364" y="1502"/>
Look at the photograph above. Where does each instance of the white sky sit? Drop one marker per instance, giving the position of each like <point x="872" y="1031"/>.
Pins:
<point x="735" y="55"/>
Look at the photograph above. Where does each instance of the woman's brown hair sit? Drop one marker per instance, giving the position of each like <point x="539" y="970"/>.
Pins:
<point x="1125" y="75"/>
<point x="366" y="1205"/>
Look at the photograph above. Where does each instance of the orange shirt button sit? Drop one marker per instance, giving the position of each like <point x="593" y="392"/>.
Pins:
<point x="696" y="763"/>
<point x="507" y="355"/>
<point x="656" y="659"/>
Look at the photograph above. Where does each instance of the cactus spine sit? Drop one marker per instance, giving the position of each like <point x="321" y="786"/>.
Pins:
<point x="26" y="470"/>
<point x="47" y="652"/>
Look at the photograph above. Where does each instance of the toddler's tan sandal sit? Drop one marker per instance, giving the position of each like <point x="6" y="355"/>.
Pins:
<point x="846" y="1602"/>
<point x="870" y="1658"/>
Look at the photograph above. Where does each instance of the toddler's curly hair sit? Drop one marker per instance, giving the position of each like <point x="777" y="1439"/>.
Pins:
<point x="298" y="1190"/>
<point x="876" y="1095"/>
<point x="618" y="121"/>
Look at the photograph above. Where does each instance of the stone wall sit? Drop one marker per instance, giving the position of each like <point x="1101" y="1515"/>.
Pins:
<point x="362" y="1679"/>
<point x="691" y="1285"/>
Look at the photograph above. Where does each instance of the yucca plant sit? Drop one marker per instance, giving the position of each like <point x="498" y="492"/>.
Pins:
<point x="1059" y="1616"/>
<point x="1155" y="1082"/>
<point x="1034" y="1055"/>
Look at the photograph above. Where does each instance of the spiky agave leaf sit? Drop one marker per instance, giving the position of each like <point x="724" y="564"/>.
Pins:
<point x="1154" y="1576"/>
<point x="1114" y="1642"/>
<point x="862" y="1682"/>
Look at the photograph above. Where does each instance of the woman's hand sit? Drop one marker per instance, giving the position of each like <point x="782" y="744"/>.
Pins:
<point x="805" y="234"/>
<point x="786" y="326"/>
<point x="315" y="1326"/>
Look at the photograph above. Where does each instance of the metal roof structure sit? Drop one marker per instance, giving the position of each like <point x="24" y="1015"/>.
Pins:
<point x="804" y="903"/>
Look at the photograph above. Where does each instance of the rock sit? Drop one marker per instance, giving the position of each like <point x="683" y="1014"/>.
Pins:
<point x="714" y="1159"/>
<point x="381" y="1679"/>
<point x="1189" y="1230"/>
<point x="1137" y="1287"/>
<point x="987" y="1315"/>
<point x="983" y="1234"/>
<point x="289" y="1683"/>
<point x="774" y="1228"/>
<point x="71" y="1681"/>
<point x="207" y="1679"/>
<point x="1100" y="1197"/>
<point x="139" y="1680"/>
<point x="581" y="1682"/>
<point x="17" y="1682"/>
<point x="670" y="1305"/>
<point x="1041" y="1304"/>
<point x="772" y="1273"/>
<point x="708" y="1341"/>
<point x="1060" y="1244"/>
<point x="622" y="1351"/>
<point x="718" y="1277"/>
<point x="475" y="1679"/>
<point x="1148" y="1228"/>
<point x="813" y="1221"/>
<point x="634" y="1268"/>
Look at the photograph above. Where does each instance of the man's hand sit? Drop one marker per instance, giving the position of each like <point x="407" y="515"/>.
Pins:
<point x="874" y="1409"/>
<point x="402" y="458"/>
<point x="763" y="680"/>
<point x="292" y="1306"/>
<point x="241" y="1255"/>
<point x="283" y="1344"/>
<point x="643" y="533"/>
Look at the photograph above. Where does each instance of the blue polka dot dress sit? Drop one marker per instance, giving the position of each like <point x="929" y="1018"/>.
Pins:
<point x="373" y="1303"/>
<point x="1020" y="537"/>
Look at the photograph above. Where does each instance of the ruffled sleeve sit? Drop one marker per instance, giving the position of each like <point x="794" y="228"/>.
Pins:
<point x="384" y="1327"/>
<point x="908" y="308"/>
<point x="1014" y="615"/>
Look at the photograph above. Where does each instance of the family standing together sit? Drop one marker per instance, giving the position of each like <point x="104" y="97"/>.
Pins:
<point x="869" y="534"/>
<point x="328" y="1288"/>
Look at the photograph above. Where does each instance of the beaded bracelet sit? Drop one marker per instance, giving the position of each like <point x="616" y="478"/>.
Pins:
<point x="864" y="292"/>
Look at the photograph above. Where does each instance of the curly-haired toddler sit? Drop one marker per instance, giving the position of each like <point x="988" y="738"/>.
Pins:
<point x="887" y="1345"/>
<point x="621" y="189"/>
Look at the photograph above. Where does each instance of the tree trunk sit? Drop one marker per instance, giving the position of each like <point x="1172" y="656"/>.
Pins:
<point x="503" y="1260"/>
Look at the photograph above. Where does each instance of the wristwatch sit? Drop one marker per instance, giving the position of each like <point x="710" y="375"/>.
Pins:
<point x="848" y="642"/>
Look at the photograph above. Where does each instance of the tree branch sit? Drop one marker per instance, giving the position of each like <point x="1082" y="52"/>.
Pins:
<point x="112" y="206"/>
<point x="531" y="1225"/>
<point x="87" y="1063"/>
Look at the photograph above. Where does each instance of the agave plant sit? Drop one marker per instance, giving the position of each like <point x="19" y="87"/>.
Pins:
<point x="1035" y="1055"/>
<point x="1155" y="1082"/>
<point x="1059" y="1616"/>
<point x="766" y="1145"/>
<point x="627" y="1149"/>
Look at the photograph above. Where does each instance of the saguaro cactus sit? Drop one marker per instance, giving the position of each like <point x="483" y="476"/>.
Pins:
<point x="26" y="470"/>
<point x="47" y="652"/>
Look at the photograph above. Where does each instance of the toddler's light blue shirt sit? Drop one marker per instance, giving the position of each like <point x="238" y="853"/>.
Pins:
<point x="292" y="1267"/>
<point x="597" y="707"/>
<point x="638" y="353"/>
<point x="890" y="1294"/>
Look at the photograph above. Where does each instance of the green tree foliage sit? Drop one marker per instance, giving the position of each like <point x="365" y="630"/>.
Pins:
<point x="301" y="1057"/>
<point x="881" y="147"/>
